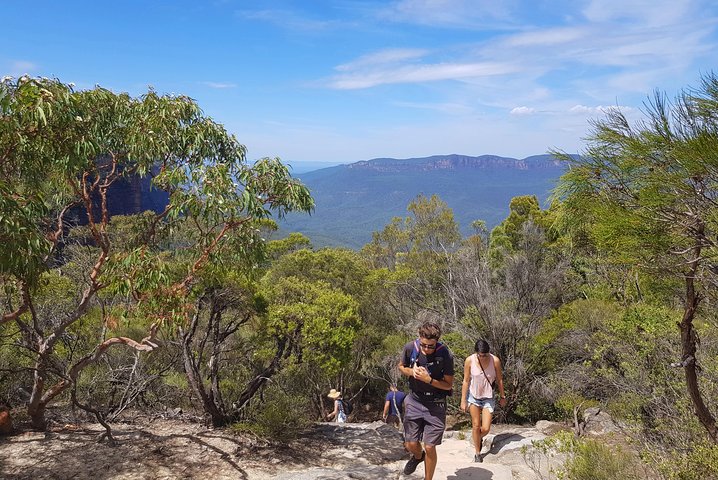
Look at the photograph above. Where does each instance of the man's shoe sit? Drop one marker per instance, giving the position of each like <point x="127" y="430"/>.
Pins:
<point x="478" y="458"/>
<point x="413" y="462"/>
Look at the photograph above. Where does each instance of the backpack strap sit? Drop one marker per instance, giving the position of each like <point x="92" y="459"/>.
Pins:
<point x="415" y="352"/>
<point x="396" y="408"/>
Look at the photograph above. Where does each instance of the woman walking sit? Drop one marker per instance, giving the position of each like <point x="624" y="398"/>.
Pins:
<point x="338" y="414"/>
<point x="481" y="370"/>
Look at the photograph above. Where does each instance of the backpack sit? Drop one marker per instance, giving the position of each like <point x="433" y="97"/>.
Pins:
<point x="346" y="406"/>
<point x="415" y="356"/>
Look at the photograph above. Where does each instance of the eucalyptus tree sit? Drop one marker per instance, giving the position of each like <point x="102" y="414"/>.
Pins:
<point x="342" y="276"/>
<point x="647" y="194"/>
<point x="314" y="326"/>
<point x="62" y="149"/>
<point x="508" y="234"/>
<point x="411" y="256"/>
<point x="217" y="341"/>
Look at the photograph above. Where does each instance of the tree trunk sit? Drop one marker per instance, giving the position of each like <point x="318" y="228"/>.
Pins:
<point x="283" y="351"/>
<point x="195" y="382"/>
<point x="98" y="415"/>
<point x="214" y="362"/>
<point x="37" y="416"/>
<point x="194" y="375"/>
<point x="688" y="347"/>
<point x="35" y="407"/>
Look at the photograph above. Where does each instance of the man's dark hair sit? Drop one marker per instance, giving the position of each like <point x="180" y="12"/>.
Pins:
<point x="482" y="346"/>
<point x="430" y="331"/>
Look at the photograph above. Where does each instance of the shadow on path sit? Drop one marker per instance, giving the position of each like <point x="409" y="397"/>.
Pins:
<point x="200" y="443"/>
<point x="76" y="454"/>
<point x="377" y="444"/>
<point x="471" y="473"/>
<point x="503" y="439"/>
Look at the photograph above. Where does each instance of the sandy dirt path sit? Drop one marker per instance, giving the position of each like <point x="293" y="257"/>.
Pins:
<point x="173" y="449"/>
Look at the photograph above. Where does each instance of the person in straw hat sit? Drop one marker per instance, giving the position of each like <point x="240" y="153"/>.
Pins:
<point x="338" y="412"/>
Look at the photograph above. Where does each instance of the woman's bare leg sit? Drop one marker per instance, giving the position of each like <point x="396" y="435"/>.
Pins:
<point x="475" y="412"/>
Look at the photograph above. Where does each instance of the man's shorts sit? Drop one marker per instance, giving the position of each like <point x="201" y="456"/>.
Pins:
<point x="393" y="420"/>
<point x="487" y="403"/>
<point x="424" y="421"/>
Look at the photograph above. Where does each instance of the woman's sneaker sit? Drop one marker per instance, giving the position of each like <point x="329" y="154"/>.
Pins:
<point x="413" y="462"/>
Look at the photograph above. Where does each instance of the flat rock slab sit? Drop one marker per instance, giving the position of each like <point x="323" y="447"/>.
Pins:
<point x="456" y="462"/>
<point x="375" y="451"/>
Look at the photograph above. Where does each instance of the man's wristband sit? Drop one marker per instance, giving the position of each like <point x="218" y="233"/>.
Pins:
<point x="431" y="380"/>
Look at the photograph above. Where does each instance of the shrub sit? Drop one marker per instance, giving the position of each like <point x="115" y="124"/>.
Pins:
<point x="280" y="417"/>
<point x="700" y="464"/>
<point x="585" y="459"/>
<point x="594" y="460"/>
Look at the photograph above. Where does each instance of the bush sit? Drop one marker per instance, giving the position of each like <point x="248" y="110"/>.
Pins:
<point x="700" y="464"/>
<point x="280" y="417"/>
<point x="585" y="459"/>
<point x="593" y="460"/>
<point x="569" y="400"/>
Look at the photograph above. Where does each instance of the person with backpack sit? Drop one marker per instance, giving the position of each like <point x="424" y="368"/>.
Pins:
<point x="482" y="375"/>
<point x="339" y="413"/>
<point x="430" y="367"/>
<point x="393" y="406"/>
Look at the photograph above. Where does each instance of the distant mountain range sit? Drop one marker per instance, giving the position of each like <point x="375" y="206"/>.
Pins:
<point x="356" y="199"/>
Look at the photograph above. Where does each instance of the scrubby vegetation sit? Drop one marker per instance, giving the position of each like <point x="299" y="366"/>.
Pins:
<point x="602" y="299"/>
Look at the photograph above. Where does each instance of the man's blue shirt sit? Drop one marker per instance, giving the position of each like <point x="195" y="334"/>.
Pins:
<point x="399" y="399"/>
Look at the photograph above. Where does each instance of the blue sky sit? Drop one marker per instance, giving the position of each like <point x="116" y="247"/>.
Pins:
<point x="351" y="80"/>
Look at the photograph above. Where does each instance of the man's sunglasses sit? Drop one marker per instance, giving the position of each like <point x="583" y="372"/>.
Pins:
<point x="428" y="347"/>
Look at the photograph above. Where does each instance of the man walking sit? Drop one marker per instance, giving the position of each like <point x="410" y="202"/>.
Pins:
<point x="393" y="406"/>
<point x="430" y="368"/>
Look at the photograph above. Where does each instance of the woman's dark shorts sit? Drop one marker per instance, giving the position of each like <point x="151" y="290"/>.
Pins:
<point x="424" y="421"/>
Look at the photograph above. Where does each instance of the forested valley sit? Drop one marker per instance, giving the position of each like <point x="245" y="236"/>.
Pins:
<point x="604" y="298"/>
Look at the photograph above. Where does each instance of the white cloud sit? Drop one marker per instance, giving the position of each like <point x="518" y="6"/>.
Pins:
<point x="547" y="37"/>
<point x="287" y="19"/>
<point x="647" y="12"/>
<point x="419" y="74"/>
<point x="473" y="14"/>
<point x="389" y="55"/>
<point x="219" y="85"/>
<point x="582" y="109"/>
<point x="598" y="109"/>
<point x="522" y="111"/>
<point x="555" y="75"/>
<point x="609" y="54"/>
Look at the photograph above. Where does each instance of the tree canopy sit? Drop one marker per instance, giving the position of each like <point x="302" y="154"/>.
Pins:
<point x="647" y="194"/>
<point x="62" y="149"/>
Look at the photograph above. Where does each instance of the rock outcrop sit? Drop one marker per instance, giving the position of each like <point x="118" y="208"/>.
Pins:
<point x="597" y="422"/>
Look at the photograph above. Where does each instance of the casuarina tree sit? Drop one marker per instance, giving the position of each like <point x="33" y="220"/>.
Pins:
<point x="646" y="193"/>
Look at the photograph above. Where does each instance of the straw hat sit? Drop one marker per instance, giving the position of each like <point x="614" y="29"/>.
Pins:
<point x="333" y="394"/>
